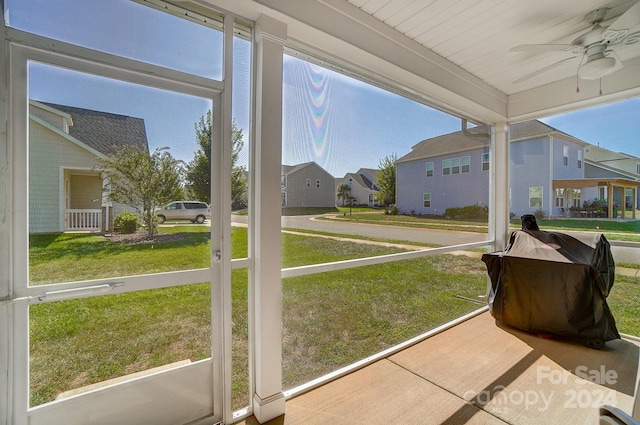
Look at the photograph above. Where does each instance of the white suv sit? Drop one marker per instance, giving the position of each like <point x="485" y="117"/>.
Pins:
<point x="194" y="211"/>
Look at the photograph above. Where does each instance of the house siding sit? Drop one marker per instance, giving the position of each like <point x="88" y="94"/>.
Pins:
<point x="48" y="154"/>
<point x="84" y="189"/>
<point x="453" y="190"/>
<point x="529" y="167"/>
<point x="297" y="194"/>
<point x="56" y="120"/>
<point x="536" y="163"/>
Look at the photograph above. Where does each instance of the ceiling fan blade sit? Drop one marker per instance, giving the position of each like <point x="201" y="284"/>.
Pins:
<point x="625" y="22"/>
<point x="542" y="48"/>
<point x="543" y="70"/>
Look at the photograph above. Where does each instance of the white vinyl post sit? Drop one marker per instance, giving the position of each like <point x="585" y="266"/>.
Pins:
<point x="499" y="183"/>
<point x="5" y="232"/>
<point x="265" y="281"/>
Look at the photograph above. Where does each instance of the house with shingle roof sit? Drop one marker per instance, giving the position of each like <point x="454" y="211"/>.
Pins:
<point x="363" y="186"/>
<point x="307" y="185"/>
<point x="547" y="173"/>
<point x="65" y="146"/>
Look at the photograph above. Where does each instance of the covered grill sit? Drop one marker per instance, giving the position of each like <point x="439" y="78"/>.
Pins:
<point x="555" y="284"/>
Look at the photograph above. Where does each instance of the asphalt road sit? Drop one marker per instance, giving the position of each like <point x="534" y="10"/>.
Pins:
<point x="439" y="237"/>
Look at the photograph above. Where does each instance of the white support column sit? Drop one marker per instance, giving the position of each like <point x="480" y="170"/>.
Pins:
<point x="550" y="194"/>
<point x="265" y="281"/>
<point x="5" y="234"/>
<point x="499" y="190"/>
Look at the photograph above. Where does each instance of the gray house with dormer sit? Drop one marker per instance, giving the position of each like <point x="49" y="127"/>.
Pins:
<point x="362" y="186"/>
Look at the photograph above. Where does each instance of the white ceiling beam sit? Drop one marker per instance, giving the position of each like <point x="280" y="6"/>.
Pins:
<point x="356" y="39"/>
<point x="561" y="96"/>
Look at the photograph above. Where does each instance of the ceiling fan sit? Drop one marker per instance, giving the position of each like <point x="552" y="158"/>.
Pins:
<point x="596" y="48"/>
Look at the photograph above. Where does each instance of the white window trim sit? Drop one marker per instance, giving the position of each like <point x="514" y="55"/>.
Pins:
<point x="541" y="196"/>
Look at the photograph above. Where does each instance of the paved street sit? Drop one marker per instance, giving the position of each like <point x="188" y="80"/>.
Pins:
<point x="439" y="237"/>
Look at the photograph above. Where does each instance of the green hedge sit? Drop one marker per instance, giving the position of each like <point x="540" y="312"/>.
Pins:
<point x="127" y="222"/>
<point x="470" y="211"/>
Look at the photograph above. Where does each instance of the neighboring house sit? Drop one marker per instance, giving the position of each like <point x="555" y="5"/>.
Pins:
<point x="446" y="171"/>
<point x="539" y="155"/>
<point x="65" y="146"/>
<point x="603" y="163"/>
<point x="547" y="172"/>
<point x="363" y="186"/>
<point x="307" y="185"/>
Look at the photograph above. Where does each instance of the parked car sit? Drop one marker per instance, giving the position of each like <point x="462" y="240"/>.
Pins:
<point x="194" y="211"/>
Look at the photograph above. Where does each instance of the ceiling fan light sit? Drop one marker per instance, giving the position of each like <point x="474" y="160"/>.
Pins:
<point x="597" y="68"/>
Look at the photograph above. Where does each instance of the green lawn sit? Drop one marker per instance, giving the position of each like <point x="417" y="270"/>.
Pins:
<point x="329" y="319"/>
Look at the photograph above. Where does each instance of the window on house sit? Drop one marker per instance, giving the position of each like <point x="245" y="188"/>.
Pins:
<point x="535" y="197"/>
<point x="466" y="163"/>
<point x="446" y="167"/>
<point x="565" y="155"/>
<point x="560" y="198"/>
<point x="317" y="183"/>
<point x="638" y="168"/>
<point x="577" y="195"/>
<point x="426" y="200"/>
<point x="308" y="182"/>
<point x="429" y="169"/>
<point x="485" y="161"/>
<point x="602" y="192"/>
<point x="455" y="166"/>
<point x="579" y="159"/>
<point x="283" y="181"/>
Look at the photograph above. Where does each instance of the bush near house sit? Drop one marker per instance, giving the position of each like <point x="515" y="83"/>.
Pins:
<point x="539" y="214"/>
<point x="127" y="222"/>
<point x="470" y="211"/>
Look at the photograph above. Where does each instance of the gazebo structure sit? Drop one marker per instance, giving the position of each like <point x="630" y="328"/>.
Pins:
<point x="611" y="184"/>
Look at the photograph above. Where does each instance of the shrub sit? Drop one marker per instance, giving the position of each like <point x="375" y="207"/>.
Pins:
<point x="539" y="214"/>
<point x="127" y="222"/>
<point x="470" y="211"/>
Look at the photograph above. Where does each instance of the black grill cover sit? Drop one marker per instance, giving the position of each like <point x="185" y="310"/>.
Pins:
<point x="554" y="283"/>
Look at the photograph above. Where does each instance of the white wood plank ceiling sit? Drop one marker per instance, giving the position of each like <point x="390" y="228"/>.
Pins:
<point x="457" y="54"/>
<point x="477" y="35"/>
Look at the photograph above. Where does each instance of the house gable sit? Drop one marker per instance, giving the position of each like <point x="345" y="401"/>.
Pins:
<point x="66" y="146"/>
<point x="308" y="185"/>
<point x="104" y="131"/>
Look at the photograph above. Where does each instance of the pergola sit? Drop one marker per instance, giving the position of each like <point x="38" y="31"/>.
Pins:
<point x="610" y="184"/>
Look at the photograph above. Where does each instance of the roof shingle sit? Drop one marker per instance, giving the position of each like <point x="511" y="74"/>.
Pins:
<point x="103" y="131"/>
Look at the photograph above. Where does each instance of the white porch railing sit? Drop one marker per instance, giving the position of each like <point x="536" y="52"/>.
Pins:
<point x="80" y="219"/>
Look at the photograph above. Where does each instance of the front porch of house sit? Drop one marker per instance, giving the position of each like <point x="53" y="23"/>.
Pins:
<point x="477" y="372"/>
<point x="613" y="190"/>
<point x="85" y="208"/>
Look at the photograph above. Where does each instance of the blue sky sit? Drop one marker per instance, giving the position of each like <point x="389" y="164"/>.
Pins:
<point x="340" y="123"/>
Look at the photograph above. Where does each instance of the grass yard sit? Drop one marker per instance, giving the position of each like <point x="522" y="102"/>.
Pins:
<point x="329" y="319"/>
